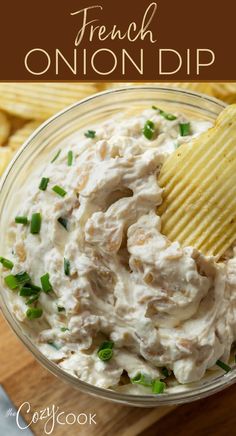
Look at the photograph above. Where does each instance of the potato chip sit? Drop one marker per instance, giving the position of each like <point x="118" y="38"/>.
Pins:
<point x="224" y="91"/>
<point x="4" y="128"/>
<point x="199" y="202"/>
<point x="19" y="137"/>
<point x="41" y="100"/>
<point x="5" y="157"/>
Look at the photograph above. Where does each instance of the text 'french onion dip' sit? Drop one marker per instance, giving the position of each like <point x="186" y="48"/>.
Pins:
<point x="90" y="276"/>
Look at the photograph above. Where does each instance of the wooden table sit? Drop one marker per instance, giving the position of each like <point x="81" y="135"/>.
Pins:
<point x="26" y="380"/>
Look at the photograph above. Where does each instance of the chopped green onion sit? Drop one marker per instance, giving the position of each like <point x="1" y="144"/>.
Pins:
<point x="60" y="191"/>
<point x="22" y="220"/>
<point x="166" y="115"/>
<point x="158" y="386"/>
<point x="35" y="224"/>
<point x="165" y="371"/>
<point x="66" y="267"/>
<point x="142" y="379"/>
<point x="184" y="129"/>
<point x="63" y="222"/>
<point x="90" y="134"/>
<point x="29" y="291"/>
<point x="223" y="365"/>
<point x="105" y="354"/>
<point x="11" y="282"/>
<point x="44" y="183"/>
<point x="64" y="329"/>
<point x="69" y="158"/>
<point x="32" y="300"/>
<point x="22" y="278"/>
<point x="149" y="129"/>
<point x="56" y="156"/>
<point x="61" y="309"/>
<point x="34" y="312"/>
<point x="6" y="263"/>
<point x="105" y="350"/>
<point x="45" y="282"/>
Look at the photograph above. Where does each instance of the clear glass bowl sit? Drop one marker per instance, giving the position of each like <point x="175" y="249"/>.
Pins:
<point x="39" y="147"/>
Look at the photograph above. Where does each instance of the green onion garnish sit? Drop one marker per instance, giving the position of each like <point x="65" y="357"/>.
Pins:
<point x="223" y="365"/>
<point x="158" y="387"/>
<point x="56" y="156"/>
<point x="64" y="329"/>
<point x="22" y="278"/>
<point x="69" y="158"/>
<point x="90" y="134"/>
<point x="27" y="291"/>
<point x="45" y="282"/>
<point x="35" y="224"/>
<point x="66" y="267"/>
<point x="11" y="282"/>
<point x="166" y="115"/>
<point x="149" y="129"/>
<point x="61" y="309"/>
<point x="142" y="379"/>
<point x="60" y="191"/>
<point x="184" y="129"/>
<point x="165" y="371"/>
<point x="6" y="263"/>
<point x="32" y="300"/>
<point x="105" y="351"/>
<point x="44" y="183"/>
<point x="22" y="220"/>
<point x="63" y="222"/>
<point x="34" y="312"/>
<point x="54" y="345"/>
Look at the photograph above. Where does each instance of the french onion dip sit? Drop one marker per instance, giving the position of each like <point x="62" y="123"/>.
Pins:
<point x="96" y="285"/>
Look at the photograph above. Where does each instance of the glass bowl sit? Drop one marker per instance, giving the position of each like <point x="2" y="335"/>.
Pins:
<point x="38" y="148"/>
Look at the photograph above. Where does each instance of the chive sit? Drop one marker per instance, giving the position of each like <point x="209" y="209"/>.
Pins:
<point x="149" y="129"/>
<point x="105" y="354"/>
<point x="166" y="115"/>
<point x="56" y="156"/>
<point x="90" y="134"/>
<point x="22" y="278"/>
<point x="33" y="287"/>
<point x="34" y="312"/>
<point x="35" y="224"/>
<point x="28" y="292"/>
<point x="60" y="191"/>
<point x="6" y="263"/>
<point x="11" y="282"/>
<point x="60" y="309"/>
<point x="33" y="299"/>
<point x="184" y="129"/>
<point x="142" y="379"/>
<point x="69" y="158"/>
<point x="223" y="365"/>
<point x="44" y="183"/>
<point x="158" y="386"/>
<point x="64" y="329"/>
<point x="105" y="345"/>
<point x="165" y="371"/>
<point x="45" y="282"/>
<point x="21" y="220"/>
<point x="66" y="267"/>
<point x="63" y="222"/>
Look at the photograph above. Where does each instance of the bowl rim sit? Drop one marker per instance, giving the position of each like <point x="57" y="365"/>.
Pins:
<point x="150" y="400"/>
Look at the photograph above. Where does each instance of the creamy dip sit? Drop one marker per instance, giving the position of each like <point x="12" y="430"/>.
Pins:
<point x="112" y="275"/>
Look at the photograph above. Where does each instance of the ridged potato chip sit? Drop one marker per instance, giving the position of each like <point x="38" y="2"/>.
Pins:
<point x="5" y="156"/>
<point x="19" y="137"/>
<point x="5" y="128"/>
<point x="41" y="100"/>
<point x="199" y="179"/>
<point x="225" y="91"/>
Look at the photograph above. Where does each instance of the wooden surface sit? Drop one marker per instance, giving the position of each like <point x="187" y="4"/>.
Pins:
<point x="26" y="380"/>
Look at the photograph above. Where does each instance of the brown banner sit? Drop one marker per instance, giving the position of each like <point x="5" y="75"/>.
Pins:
<point x="140" y="40"/>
